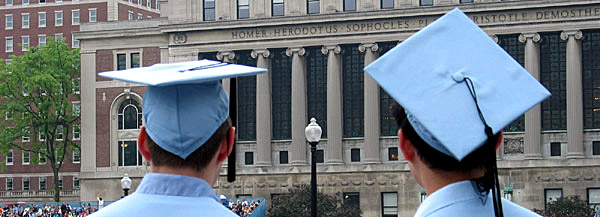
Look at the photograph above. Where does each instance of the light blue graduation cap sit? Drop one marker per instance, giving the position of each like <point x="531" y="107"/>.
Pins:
<point x="185" y="102"/>
<point x="443" y="74"/>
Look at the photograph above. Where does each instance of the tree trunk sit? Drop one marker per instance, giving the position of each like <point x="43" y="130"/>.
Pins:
<point x="56" y="187"/>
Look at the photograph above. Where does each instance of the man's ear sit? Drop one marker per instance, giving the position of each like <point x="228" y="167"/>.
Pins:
<point x="499" y="140"/>
<point x="143" y="144"/>
<point x="408" y="150"/>
<point x="226" y="145"/>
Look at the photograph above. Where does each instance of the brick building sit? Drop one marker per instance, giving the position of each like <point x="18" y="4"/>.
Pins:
<point x="26" y="23"/>
<point x="315" y="51"/>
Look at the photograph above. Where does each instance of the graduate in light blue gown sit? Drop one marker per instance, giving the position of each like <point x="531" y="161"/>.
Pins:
<point x="187" y="136"/>
<point x="456" y="89"/>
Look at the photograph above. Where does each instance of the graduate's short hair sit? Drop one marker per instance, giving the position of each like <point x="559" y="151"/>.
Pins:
<point x="435" y="159"/>
<point x="196" y="160"/>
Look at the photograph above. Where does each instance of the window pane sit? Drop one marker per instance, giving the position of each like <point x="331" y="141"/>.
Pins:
<point x="353" y="105"/>
<point x="386" y="4"/>
<point x="242" y="2"/>
<point x="316" y="92"/>
<point x="209" y="3"/>
<point x="130" y="153"/>
<point x="352" y="199"/>
<point x="243" y="12"/>
<point x="552" y="195"/>
<point x="121" y="61"/>
<point x="314" y="7"/>
<point x="355" y="155"/>
<point x="393" y="154"/>
<point x="246" y="89"/>
<point x="553" y="76"/>
<point x="319" y="156"/>
<point x="426" y="2"/>
<point x="209" y="14"/>
<point x="594" y="198"/>
<point x="349" y="5"/>
<point x="283" y="157"/>
<point x="278" y="9"/>
<point x="249" y="158"/>
<point x="596" y="148"/>
<point x="555" y="149"/>
<point x="466" y="1"/>
<point x="135" y="60"/>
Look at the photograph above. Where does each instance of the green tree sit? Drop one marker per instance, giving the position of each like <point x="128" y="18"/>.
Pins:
<point x="571" y="206"/>
<point x="36" y="94"/>
<point x="296" y="203"/>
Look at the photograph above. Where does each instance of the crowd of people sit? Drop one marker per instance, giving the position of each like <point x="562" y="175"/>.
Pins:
<point x="30" y="210"/>
<point x="241" y="208"/>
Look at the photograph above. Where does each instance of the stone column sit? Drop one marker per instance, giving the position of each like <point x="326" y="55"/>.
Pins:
<point x="263" y="108"/>
<point x="371" y="96"/>
<point x="334" y="105"/>
<point x="533" y="118"/>
<point x="226" y="57"/>
<point x="88" y="111"/>
<point x="574" y="94"/>
<point x="299" y="119"/>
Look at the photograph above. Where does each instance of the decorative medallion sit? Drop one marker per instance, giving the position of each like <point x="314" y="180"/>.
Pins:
<point x="513" y="145"/>
<point x="179" y="38"/>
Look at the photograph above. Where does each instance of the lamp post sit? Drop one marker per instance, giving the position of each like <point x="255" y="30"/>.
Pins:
<point x="313" y="135"/>
<point x="125" y="184"/>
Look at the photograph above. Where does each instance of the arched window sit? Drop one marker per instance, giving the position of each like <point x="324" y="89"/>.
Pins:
<point x="130" y="115"/>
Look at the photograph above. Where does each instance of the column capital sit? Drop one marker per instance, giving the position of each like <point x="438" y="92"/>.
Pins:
<point x="263" y="52"/>
<point x="534" y="36"/>
<point x="336" y="49"/>
<point x="575" y="33"/>
<point x="290" y="51"/>
<point x="495" y="38"/>
<point x="221" y="55"/>
<point x="364" y="46"/>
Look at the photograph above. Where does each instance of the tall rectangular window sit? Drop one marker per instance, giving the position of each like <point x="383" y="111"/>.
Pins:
<point x="75" y="17"/>
<point x="511" y="44"/>
<point x="93" y="12"/>
<point x="387" y="124"/>
<point x="59" y="132"/>
<point x="75" y="182"/>
<point x="60" y="182"/>
<point x="596" y="147"/>
<point x="42" y="183"/>
<point x="593" y="196"/>
<point x="426" y="2"/>
<point x="42" y="1"/>
<point x="249" y="158"/>
<point x="9" y="2"/>
<point x="76" y="108"/>
<point x="58" y="37"/>
<point x="24" y="42"/>
<point x="58" y="18"/>
<point x="26" y="157"/>
<point x="353" y="104"/>
<point x="389" y="204"/>
<point x="74" y="42"/>
<point x="26" y="184"/>
<point x="121" y="61"/>
<point x="128" y="154"/>
<point x="25" y="21"/>
<point x="387" y="4"/>
<point x="313" y="6"/>
<point x="555" y="149"/>
<point x="352" y="199"/>
<point x="76" y="156"/>
<point x="9" y="157"/>
<point x="140" y="16"/>
<point x="148" y="3"/>
<point x="41" y="19"/>
<point x="209" y="10"/>
<point x="246" y="93"/>
<point x="551" y="195"/>
<point x="9" y="44"/>
<point x="25" y="2"/>
<point x="355" y="155"/>
<point x="26" y="135"/>
<point x="130" y="15"/>
<point x="466" y="1"/>
<point x="76" y="132"/>
<point x="553" y="75"/>
<point x="283" y="157"/>
<point x="41" y="158"/>
<point x="349" y="5"/>
<point x="393" y="154"/>
<point x="8" y="21"/>
<point x="319" y="156"/>
<point x="139" y="2"/>
<point x="590" y="45"/>
<point x="135" y="60"/>
<point x="9" y="184"/>
<point x="316" y="90"/>
<point x="277" y="9"/>
<point x="281" y="81"/>
<point x="243" y="9"/>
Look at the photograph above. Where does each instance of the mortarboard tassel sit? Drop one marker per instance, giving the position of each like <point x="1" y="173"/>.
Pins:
<point x="233" y="115"/>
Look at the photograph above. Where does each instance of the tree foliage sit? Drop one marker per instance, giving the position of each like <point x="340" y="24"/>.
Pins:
<point x="296" y="203"/>
<point x="571" y="206"/>
<point x="36" y="94"/>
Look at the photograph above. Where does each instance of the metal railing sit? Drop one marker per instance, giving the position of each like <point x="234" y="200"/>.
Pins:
<point x="37" y="193"/>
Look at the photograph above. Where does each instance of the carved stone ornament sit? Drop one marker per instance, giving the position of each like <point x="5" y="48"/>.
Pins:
<point x="327" y="48"/>
<point x="225" y="56"/>
<point x="344" y="183"/>
<point x="263" y="52"/>
<point x="369" y="183"/>
<point x="575" y="33"/>
<point x="514" y="145"/>
<point x="180" y="38"/>
<point x="372" y="46"/>
<point x="535" y="37"/>
<point x="299" y="50"/>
